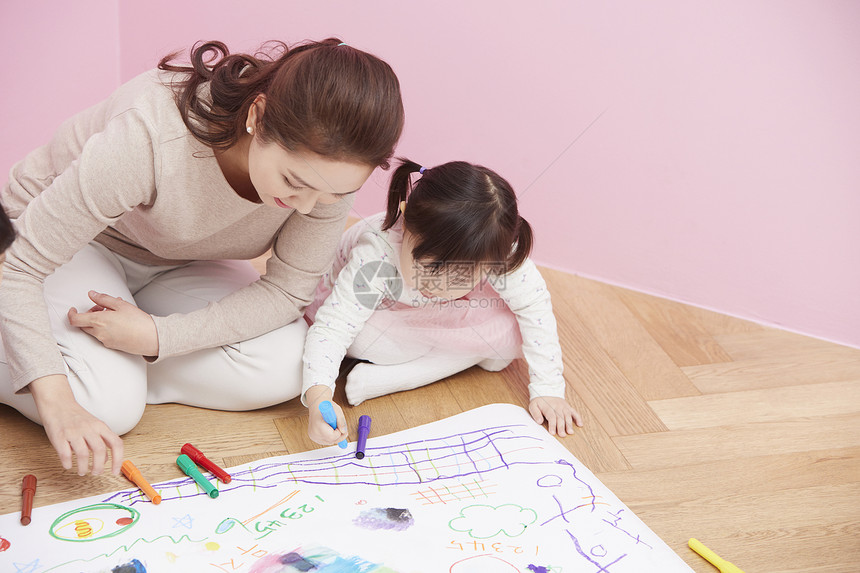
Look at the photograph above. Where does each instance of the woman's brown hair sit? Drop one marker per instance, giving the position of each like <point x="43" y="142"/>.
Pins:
<point x="459" y="213"/>
<point x="325" y="97"/>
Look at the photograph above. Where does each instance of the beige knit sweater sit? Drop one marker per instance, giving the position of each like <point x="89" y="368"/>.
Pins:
<point x="129" y="174"/>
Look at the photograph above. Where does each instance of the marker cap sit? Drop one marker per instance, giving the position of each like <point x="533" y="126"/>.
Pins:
<point x="29" y="483"/>
<point x="190" y="469"/>
<point x="28" y="491"/>
<point x="130" y="471"/>
<point x="363" y="431"/>
<point x="208" y="464"/>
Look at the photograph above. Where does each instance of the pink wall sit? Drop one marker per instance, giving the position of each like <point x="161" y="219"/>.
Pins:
<point x="722" y="172"/>
<point x="59" y="57"/>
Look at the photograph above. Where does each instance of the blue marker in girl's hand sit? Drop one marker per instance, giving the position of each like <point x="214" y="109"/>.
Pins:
<point x="330" y="417"/>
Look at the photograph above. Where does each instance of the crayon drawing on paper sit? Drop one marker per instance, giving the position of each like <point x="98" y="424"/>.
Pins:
<point x="487" y="490"/>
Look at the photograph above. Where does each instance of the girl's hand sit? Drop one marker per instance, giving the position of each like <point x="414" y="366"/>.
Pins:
<point x="560" y="416"/>
<point x="318" y="429"/>
<point x="118" y="325"/>
<point x="71" y="429"/>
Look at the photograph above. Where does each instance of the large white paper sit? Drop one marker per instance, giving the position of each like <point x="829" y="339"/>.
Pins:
<point x="485" y="491"/>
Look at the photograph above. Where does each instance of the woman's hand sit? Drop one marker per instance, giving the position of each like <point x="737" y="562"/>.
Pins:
<point x="71" y="429"/>
<point x="318" y="429"/>
<point x="560" y="416"/>
<point x="118" y="325"/>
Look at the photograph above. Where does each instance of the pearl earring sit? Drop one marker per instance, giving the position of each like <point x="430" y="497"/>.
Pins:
<point x="250" y="130"/>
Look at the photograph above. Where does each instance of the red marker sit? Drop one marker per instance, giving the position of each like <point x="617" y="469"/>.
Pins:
<point x="208" y="464"/>
<point x="28" y="490"/>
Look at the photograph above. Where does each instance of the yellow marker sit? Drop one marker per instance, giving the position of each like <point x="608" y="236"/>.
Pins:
<point x="714" y="559"/>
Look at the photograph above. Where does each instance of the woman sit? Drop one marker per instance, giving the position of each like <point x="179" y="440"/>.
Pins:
<point x="129" y="282"/>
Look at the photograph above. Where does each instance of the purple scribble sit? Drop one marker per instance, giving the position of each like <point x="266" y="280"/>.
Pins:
<point x="286" y="563"/>
<point x="614" y="524"/>
<point x="501" y="457"/>
<point x="297" y="562"/>
<point x="558" y="484"/>
<point x="537" y="569"/>
<point x="562" y="513"/>
<point x="390" y="518"/>
<point x="472" y="453"/>
<point x="323" y="559"/>
<point x="586" y="484"/>
<point x="600" y="568"/>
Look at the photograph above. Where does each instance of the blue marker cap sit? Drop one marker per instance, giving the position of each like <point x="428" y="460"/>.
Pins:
<point x="330" y="418"/>
<point x="363" y="431"/>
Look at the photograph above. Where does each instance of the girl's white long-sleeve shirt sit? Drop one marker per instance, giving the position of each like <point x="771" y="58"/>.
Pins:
<point x="344" y="313"/>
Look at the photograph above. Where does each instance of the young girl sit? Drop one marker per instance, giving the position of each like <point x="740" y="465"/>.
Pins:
<point x="129" y="282"/>
<point x="439" y="283"/>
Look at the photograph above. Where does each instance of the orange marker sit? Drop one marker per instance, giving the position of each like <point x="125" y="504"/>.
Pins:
<point x="28" y="491"/>
<point x="132" y="473"/>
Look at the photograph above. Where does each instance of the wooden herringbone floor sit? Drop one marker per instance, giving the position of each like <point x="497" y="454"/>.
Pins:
<point x="706" y="426"/>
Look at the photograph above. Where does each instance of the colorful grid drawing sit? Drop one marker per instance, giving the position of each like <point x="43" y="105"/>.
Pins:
<point x="465" y="491"/>
<point x="470" y="455"/>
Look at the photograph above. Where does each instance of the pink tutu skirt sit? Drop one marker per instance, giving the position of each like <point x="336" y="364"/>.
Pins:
<point x="478" y="325"/>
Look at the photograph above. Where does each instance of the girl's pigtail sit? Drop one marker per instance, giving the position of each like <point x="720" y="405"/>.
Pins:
<point x="522" y="245"/>
<point x="398" y="189"/>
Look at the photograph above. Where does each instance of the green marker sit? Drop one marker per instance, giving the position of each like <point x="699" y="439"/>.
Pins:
<point x="187" y="465"/>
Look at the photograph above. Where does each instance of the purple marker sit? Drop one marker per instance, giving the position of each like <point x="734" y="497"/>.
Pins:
<point x="363" y="431"/>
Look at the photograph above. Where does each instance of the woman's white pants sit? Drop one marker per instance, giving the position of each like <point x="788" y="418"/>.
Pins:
<point x="115" y="386"/>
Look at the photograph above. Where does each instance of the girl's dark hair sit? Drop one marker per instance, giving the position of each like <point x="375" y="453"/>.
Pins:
<point x="7" y="231"/>
<point x="325" y="97"/>
<point x="459" y="213"/>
